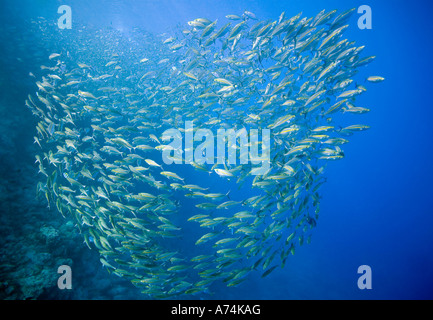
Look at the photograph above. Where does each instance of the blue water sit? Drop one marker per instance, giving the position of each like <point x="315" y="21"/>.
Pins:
<point x="376" y="206"/>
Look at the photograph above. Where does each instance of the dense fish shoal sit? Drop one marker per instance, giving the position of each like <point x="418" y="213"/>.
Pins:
<point x="122" y="115"/>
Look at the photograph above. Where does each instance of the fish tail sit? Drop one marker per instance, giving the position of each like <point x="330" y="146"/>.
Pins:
<point x="227" y="194"/>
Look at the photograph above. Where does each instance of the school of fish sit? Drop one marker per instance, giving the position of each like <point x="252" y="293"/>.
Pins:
<point x="105" y="98"/>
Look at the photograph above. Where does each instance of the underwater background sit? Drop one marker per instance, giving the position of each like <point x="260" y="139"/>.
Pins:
<point x="376" y="205"/>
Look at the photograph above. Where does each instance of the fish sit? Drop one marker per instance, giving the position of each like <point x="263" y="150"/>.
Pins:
<point x="86" y="94"/>
<point x="233" y="17"/>
<point x="375" y="79"/>
<point x="223" y="173"/>
<point x="54" y="55"/>
<point x="171" y="175"/>
<point x="152" y="163"/>
<point x="267" y="272"/>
